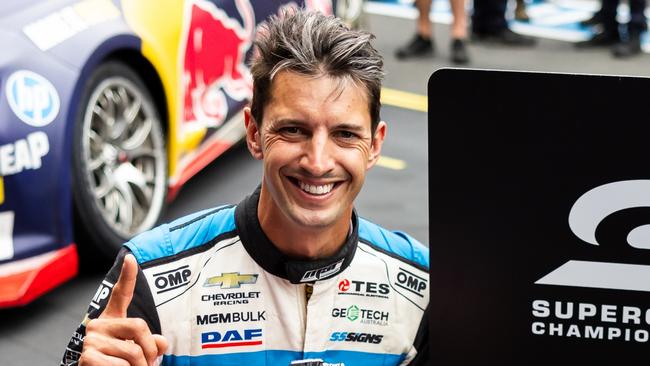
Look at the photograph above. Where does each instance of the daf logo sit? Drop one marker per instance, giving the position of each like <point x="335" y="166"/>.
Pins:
<point x="589" y="210"/>
<point x="231" y="280"/>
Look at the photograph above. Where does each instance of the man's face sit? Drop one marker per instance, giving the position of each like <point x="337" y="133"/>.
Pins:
<point x="316" y="144"/>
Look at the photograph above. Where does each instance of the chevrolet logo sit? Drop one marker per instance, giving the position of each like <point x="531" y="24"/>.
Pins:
<point x="230" y="280"/>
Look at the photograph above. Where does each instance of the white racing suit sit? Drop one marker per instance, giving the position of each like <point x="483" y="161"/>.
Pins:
<point x="215" y="286"/>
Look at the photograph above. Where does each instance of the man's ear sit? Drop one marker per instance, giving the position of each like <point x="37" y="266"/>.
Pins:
<point x="377" y="142"/>
<point x="253" y="138"/>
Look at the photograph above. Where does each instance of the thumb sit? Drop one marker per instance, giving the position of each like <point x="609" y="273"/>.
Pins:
<point x="123" y="290"/>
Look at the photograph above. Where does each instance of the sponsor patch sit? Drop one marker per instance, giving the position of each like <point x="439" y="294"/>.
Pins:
<point x="230" y="298"/>
<point x="172" y="279"/>
<point x="321" y="273"/>
<point x="366" y="316"/>
<point x="231" y="280"/>
<point x="356" y="337"/>
<point x="363" y="288"/>
<point x="235" y="317"/>
<point x="231" y="338"/>
<point x="102" y="294"/>
<point x="411" y="282"/>
<point x="32" y="98"/>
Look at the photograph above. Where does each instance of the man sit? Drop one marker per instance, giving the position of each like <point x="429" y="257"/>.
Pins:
<point x="623" y="45"/>
<point x="291" y="275"/>
<point x="489" y="24"/>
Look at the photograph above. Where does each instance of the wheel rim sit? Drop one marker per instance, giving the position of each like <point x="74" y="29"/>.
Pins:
<point x="123" y="155"/>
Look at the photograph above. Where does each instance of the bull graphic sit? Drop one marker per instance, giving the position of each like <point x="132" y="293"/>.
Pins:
<point x="214" y="61"/>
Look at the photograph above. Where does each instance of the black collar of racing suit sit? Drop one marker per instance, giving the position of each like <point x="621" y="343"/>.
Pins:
<point x="262" y="250"/>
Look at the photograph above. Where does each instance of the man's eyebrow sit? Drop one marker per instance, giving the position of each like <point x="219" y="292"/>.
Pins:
<point x="349" y="127"/>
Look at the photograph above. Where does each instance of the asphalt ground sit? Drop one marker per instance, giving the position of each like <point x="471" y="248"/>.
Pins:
<point x="393" y="197"/>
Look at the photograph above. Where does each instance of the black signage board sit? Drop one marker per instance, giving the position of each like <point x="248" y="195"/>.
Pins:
<point x="540" y="218"/>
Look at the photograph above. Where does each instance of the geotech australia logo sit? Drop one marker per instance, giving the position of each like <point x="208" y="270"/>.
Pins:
<point x="173" y="279"/>
<point x="32" y="98"/>
<point x="231" y="338"/>
<point x="585" y="217"/>
<point x="236" y="317"/>
<point x="321" y="273"/>
<point x="368" y="316"/>
<point x="411" y="282"/>
<point x="231" y="280"/>
<point x="356" y="337"/>
<point x="102" y="294"/>
<point x="363" y="288"/>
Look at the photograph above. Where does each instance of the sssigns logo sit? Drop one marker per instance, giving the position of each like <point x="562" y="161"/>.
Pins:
<point x="586" y="214"/>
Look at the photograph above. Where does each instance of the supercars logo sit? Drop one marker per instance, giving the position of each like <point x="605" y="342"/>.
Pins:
<point x="32" y="98"/>
<point x="585" y="218"/>
<point x="231" y="338"/>
<point x="214" y="61"/>
<point x="231" y="280"/>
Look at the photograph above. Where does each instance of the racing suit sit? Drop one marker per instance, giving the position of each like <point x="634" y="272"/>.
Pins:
<point x="222" y="294"/>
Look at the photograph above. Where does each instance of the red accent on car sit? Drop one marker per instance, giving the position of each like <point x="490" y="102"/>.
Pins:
<point x="20" y="284"/>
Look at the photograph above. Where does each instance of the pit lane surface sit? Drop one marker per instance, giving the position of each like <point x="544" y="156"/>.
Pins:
<point x="37" y="334"/>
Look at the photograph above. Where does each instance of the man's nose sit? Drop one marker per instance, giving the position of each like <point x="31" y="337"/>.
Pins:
<point x="318" y="155"/>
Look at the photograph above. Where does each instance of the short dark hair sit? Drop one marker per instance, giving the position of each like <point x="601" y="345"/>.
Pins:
<point x="310" y="43"/>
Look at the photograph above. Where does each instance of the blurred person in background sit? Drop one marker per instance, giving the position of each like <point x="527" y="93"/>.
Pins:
<point x="626" y="40"/>
<point x="422" y="43"/>
<point x="520" y="11"/>
<point x="489" y="25"/>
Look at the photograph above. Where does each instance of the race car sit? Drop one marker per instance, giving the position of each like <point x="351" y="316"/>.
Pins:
<point x="107" y="108"/>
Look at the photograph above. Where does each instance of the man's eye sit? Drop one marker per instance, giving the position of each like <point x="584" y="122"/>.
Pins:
<point x="346" y="134"/>
<point x="291" y="130"/>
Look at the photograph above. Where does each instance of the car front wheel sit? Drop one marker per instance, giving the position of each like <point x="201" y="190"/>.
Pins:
<point x="119" y="159"/>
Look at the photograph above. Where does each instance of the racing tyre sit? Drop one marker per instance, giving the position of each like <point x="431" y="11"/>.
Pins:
<point x="119" y="159"/>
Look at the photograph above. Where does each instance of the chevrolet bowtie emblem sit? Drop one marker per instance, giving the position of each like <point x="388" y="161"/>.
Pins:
<point x="231" y="280"/>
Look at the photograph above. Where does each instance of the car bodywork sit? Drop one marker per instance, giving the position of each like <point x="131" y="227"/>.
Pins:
<point x="191" y="55"/>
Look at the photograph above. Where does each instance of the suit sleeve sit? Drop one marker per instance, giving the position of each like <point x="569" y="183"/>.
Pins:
<point x="142" y="306"/>
<point x="421" y="342"/>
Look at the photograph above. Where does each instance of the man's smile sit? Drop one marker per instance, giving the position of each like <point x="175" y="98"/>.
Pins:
<point x="312" y="188"/>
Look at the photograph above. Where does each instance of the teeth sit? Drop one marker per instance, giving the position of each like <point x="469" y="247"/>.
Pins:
<point x="313" y="189"/>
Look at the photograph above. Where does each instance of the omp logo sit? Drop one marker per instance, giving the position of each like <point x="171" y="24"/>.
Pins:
<point x="321" y="273"/>
<point x="231" y="280"/>
<point x="102" y="294"/>
<point x="411" y="282"/>
<point x="231" y="338"/>
<point x="587" y="213"/>
<point x="32" y="98"/>
<point x="173" y="279"/>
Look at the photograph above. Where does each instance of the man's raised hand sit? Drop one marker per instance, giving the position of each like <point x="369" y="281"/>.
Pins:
<point x="114" y="339"/>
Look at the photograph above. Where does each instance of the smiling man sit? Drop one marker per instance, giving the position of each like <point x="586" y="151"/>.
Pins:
<point x="291" y="275"/>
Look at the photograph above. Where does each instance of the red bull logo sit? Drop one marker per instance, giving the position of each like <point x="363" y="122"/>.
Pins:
<point x="214" y="61"/>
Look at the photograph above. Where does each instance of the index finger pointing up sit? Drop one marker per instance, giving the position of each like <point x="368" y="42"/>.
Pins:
<point x="123" y="290"/>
